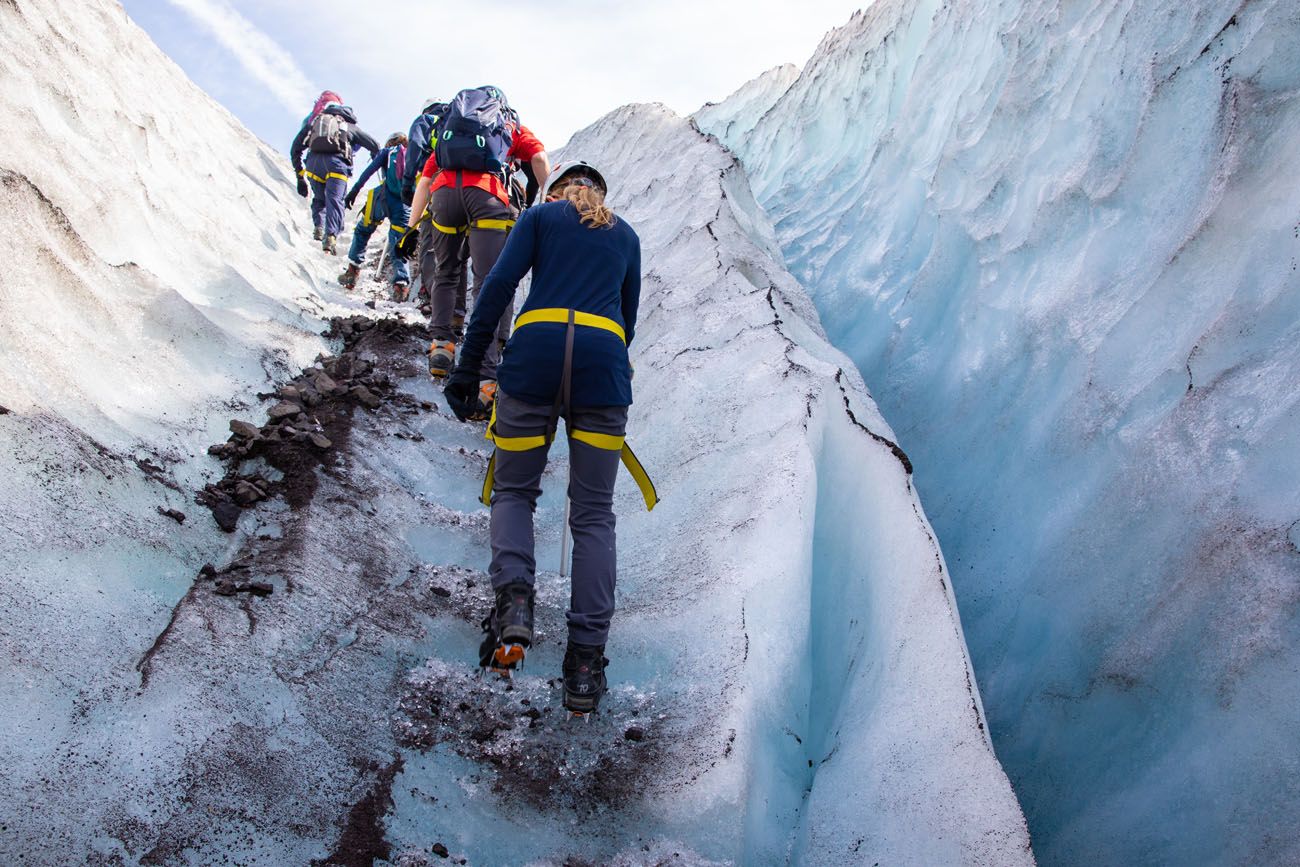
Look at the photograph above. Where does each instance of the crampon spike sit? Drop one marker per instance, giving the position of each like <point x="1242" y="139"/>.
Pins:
<point x="509" y="655"/>
<point x="504" y="660"/>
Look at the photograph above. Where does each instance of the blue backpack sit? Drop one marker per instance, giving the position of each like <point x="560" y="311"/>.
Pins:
<point x="418" y="147"/>
<point x="476" y="132"/>
<point x="395" y="170"/>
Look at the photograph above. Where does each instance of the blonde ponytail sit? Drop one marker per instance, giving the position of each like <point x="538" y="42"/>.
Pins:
<point x="590" y="202"/>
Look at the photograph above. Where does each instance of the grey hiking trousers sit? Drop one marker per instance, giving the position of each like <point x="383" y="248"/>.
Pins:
<point x="429" y="266"/>
<point x="518" y="484"/>
<point x="459" y="212"/>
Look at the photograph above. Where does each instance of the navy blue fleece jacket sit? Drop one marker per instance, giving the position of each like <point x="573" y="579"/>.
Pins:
<point x="591" y="270"/>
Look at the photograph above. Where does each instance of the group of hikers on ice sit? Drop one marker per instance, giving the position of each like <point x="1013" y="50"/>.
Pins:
<point x="451" y="192"/>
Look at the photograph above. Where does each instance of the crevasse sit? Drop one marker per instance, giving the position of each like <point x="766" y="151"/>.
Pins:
<point x="1060" y="242"/>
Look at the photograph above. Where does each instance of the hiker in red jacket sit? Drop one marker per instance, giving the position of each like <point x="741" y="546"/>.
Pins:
<point x="465" y="186"/>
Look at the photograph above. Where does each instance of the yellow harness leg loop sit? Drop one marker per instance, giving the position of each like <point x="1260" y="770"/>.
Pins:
<point x="561" y="315"/>
<point x="495" y="225"/>
<point x="608" y="442"/>
<point x="448" y="230"/>
<point x="314" y="177"/>
<point x="336" y="176"/>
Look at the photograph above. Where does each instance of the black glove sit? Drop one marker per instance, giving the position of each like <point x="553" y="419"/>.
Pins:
<point x="302" y="186"/>
<point x="409" y="244"/>
<point x="461" y="393"/>
<point x="350" y="199"/>
<point x="408" y="192"/>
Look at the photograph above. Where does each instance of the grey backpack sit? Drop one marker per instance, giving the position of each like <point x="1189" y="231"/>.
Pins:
<point x="329" y="135"/>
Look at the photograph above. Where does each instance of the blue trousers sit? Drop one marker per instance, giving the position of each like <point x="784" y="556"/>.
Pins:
<point x="382" y="204"/>
<point x="328" y="176"/>
<point x="518" y="483"/>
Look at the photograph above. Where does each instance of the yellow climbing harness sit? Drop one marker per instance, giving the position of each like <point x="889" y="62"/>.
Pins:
<point x="609" y="442"/>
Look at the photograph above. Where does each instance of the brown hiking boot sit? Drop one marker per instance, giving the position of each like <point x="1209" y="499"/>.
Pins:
<point x="348" y="279"/>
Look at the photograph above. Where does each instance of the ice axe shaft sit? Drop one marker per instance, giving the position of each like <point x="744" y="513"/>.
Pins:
<point x="383" y="251"/>
<point x="564" y="541"/>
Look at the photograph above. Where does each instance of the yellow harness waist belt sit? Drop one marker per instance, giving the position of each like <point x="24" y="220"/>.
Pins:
<point x="561" y="315"/>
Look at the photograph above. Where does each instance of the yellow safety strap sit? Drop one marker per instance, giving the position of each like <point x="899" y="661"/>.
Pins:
<point x="561" y="314"/>
<point x="486" y="496"/>
<point x="640" y="476"/>
<point x="337" y="176"/>
<point x="317" y="178"/>
<point x="301" y="172"/>
<point x="401" y="230"/>
<point x="366" y="215"/>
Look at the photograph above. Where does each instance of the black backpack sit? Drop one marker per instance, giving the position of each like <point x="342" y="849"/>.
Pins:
<point x="476" y="132"/>
<point x="329" y="134"/>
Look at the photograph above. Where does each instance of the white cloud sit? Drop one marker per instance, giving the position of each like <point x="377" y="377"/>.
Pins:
<point x="563" y="63"/>
<point x="264" y="59"/>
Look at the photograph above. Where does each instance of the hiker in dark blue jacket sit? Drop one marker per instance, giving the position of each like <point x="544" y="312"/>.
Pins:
<point x="384" y="202"/>
<point x="567" y="358"/>
<point x="330" y="136"/>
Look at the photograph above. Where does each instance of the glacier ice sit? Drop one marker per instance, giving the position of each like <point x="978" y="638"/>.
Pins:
<point x="787" y="646"/>
<point x="1060" y="241"/>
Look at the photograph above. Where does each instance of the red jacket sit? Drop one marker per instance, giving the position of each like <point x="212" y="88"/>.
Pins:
<point x="524" y="146"/>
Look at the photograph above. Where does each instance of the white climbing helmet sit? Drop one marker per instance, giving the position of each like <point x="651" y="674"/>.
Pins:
<point x="570" y="168"/>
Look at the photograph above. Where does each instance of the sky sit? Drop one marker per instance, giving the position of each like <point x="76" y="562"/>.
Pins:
<point x="562" y="64"/>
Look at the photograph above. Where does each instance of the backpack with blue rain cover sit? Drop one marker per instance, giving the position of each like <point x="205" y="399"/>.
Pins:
<point x="395" y="169"/>
<point x="476" y="132"/>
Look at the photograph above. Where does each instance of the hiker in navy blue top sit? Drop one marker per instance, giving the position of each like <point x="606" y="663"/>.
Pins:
<point x="567" y="358"/>
<point x="329" y="135"/>
<point x="384" y="202"/>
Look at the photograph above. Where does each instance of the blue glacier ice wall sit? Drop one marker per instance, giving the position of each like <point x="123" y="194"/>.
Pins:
<point x="1060" y="239"/>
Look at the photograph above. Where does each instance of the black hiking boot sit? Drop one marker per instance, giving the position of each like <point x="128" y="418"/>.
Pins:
<point x="584" y="677"/>
<point x="401" y="291"/>
<point x="508" y="628"/>
<point x="442" y="358"/>
<point x="348" y="279"/>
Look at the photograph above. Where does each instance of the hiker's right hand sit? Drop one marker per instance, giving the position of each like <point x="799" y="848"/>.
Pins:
<point x="350" y="199"/>
<point x="302" y="187"/>
<point x="410" y="242"/>
<point x="461" y="393"/>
